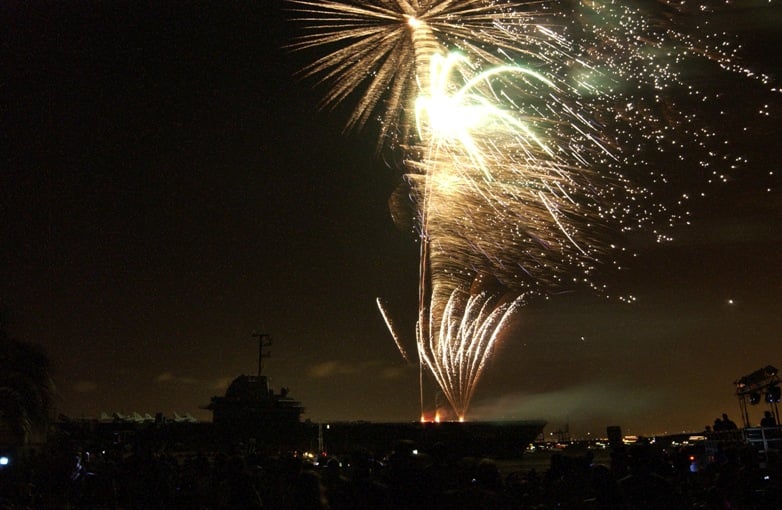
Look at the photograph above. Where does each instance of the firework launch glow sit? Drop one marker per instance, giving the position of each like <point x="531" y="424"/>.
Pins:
<point x="532" y="135"/>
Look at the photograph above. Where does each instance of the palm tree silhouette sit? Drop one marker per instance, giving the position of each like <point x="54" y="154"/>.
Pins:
<point x="26" y="390"/>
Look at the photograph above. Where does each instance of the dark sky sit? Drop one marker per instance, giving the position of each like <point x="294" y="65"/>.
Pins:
<point x="168" y="187"/>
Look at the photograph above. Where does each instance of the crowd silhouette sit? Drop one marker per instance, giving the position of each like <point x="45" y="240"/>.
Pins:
<point x="641" y="476"/>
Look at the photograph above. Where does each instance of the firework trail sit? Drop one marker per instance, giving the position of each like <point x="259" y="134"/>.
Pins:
<point x="527" y="129"/>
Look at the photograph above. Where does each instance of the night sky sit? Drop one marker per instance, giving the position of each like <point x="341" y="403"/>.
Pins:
<point x="168" y="187"/>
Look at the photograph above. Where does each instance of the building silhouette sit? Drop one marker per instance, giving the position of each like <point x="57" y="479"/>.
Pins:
<point x="250" y="410"/>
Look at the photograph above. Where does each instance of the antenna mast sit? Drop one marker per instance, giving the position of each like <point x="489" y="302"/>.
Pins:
<point x="264" y="340"/>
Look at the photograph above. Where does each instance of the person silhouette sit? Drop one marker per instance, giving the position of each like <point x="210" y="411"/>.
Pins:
<point x="727" y="423"/>
<point x="768" y="420"/>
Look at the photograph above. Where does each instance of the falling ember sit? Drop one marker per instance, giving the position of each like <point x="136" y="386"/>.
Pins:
<point x="392" y="329"/>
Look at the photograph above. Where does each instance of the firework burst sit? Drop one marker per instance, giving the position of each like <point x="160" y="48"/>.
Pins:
<point x="528" y="129"/>
<point x="456" y="354"/>
<point x="382" y="48"/>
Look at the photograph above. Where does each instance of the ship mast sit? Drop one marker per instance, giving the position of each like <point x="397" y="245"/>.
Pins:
<point x="264" y="340"/>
